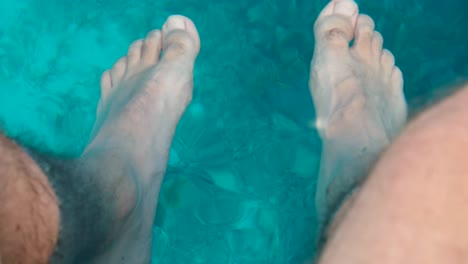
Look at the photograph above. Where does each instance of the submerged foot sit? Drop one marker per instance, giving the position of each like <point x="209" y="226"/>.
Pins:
<point x="143" y="98"/>
<point x="358" y="96"/>
<point x="146" y="92"/>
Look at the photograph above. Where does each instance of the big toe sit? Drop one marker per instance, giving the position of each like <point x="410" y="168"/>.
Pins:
<point x="180" y="39"/>
<point x="335" y="24"/>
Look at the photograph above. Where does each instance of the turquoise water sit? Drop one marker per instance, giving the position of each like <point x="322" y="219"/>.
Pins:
<point x="240" y="184"/>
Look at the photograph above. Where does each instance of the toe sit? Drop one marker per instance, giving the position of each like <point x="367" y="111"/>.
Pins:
<point x="327" y="10"/>
<point x="348" y="9"/>
<point x="364" y="34"/>
<point x="180" y="39"/>
<point x="106" y="85"/>
<point x="118" y="70"/>
<point x="152" y="47"/>
<point x="387" y="62"/>
<point x="335" y="25"/>
<point x="134" y="53"/>
<point x="397" y="79"/>
<point x="377" y="44"/>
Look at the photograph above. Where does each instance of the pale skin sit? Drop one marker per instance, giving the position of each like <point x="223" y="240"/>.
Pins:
<point x="412" y="208"/>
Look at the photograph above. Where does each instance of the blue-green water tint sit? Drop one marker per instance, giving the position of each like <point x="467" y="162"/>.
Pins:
<point x="240" y="184"/>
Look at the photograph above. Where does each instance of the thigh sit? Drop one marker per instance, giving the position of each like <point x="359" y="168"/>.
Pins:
<point x="413" y="208"/>
<point x="29" y="215"/>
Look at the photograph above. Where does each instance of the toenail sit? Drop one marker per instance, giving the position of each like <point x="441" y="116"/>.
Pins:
<point x="136" y="46"/>
<point x="175" y="22"/>
<point x="366" y="21"/>
<point x="347" y="8"/>
<point x="154" y="34"/>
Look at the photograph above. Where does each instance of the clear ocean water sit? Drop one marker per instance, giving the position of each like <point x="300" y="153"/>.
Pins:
<point x="243" y="168"/>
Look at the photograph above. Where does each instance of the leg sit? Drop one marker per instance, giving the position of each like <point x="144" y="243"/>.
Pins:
<point x="414" y="206"/>
<point x="144" y="96"/>
<point x="29" y="215"/>
<point x="108" y="196"/>
<point x="358" y="97"/>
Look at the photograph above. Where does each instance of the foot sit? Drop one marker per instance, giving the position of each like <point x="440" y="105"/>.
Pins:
<point x="143" y="98"/>
<point x="146" y="92"/>
<point x="358" y="96"/>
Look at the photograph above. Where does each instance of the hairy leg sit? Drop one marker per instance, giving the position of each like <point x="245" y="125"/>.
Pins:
<point x="414" y="206"/>
<point x="108" y="196"/>
<point x="29" y="214"/>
